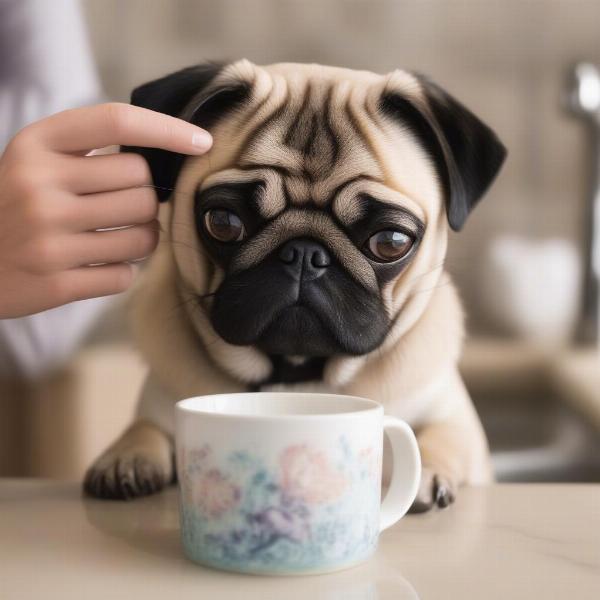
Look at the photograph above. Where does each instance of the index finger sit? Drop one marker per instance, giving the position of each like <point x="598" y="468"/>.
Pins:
<point x="83" y="129"/>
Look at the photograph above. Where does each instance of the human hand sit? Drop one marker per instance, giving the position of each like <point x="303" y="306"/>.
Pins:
<point x="54" y="199"/>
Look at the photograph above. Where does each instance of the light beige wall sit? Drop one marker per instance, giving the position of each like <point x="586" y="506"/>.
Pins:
<point x="505" y="60"/>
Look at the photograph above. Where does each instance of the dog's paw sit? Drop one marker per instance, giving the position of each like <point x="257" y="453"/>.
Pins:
<point x="139" y="463"/>
<point x="435" y="490"/>
<point x="124" y="475"/>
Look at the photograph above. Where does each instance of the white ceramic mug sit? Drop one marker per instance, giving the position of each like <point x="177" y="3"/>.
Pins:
<point x="288" y="483"/>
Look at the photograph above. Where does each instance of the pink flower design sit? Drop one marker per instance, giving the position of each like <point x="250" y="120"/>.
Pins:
<point x="214" y="494"/>
<point x="307" y="475"/>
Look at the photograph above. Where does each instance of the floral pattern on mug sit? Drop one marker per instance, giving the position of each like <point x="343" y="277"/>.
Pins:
<point x="214" y="494"/>
<point x="189" y="464"/>
<point x="239" y="512"/>
<point x="307" y="475"/>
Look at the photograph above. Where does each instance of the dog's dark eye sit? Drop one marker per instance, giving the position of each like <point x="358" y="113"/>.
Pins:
<point x="389" y="245"/>
<point x="224" y="225"/>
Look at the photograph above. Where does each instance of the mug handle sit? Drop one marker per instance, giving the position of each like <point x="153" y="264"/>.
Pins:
<point x="406" y="472"/>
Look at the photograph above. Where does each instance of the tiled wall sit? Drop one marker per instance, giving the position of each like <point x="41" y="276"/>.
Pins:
<point x="506" y="60"/>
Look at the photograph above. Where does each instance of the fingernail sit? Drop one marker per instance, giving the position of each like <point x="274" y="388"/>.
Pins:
<point x="202" y="140"/>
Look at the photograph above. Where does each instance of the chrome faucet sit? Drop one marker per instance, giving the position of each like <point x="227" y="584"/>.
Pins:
<point x="584" y="101"/>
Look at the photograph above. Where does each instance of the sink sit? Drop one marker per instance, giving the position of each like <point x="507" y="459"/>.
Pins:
<point x="533" y="414"/>
<point x="536" y="436"/>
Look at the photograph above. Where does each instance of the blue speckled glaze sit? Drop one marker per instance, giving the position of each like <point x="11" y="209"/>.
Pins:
<point x="309" y="510"/>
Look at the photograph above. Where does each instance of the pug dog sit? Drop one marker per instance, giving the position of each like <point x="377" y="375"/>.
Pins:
<point x="305" y="252"/>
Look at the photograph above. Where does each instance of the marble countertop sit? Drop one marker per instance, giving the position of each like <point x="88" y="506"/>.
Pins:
<point x="503" y="541"/>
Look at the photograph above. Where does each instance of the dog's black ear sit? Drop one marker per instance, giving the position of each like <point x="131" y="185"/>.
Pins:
<point x="171" y="95"/>
<point x="466" y="152"/>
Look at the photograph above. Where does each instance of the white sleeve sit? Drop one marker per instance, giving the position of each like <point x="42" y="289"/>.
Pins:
<point x="31" y="346"/>
<point x="46" y="66"/>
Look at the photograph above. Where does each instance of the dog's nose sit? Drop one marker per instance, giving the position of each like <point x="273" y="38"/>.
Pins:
<point x="304" y="259"/>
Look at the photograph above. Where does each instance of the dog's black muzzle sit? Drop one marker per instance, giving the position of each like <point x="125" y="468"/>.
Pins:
<point x="299" y="301"/>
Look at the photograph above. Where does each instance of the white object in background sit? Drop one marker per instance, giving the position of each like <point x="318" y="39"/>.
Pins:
<point x="532" y="288"/>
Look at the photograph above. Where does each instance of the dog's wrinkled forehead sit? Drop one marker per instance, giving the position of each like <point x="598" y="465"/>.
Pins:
<point x="322" y="128"/>
<point x="313" y="138"/>
<point x="316" y="127"/>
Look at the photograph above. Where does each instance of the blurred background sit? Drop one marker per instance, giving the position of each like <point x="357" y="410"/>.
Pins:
<point x="523" y="263"/>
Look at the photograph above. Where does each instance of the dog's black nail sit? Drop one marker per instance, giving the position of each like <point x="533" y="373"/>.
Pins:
<point x="443" y="493"/>
<point x="420" y="506"/>
<point x="103" y="487"/>
<point x="157" y="482"/>
<point x="442" y="498"/>
<point x="128" y="489"/>
<point x="144" y="486"/>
